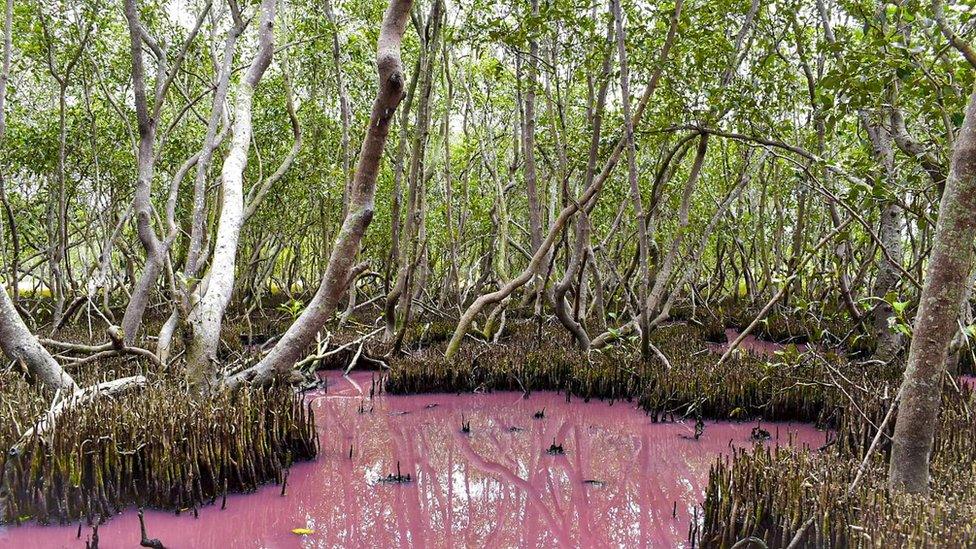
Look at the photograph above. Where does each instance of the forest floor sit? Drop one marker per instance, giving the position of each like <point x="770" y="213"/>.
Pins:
<point x="829" y="491"/>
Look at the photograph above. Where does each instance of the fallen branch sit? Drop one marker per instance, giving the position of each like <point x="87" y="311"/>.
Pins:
<point x="311" y="359"/>
<point x="115" y="347"/>
<point x="355" y="358"/>
<point x="657" y="352"/>
<point x="99" y="352"/>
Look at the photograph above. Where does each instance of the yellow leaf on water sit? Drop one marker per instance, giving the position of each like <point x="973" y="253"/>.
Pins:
<point x="302" y="531"/>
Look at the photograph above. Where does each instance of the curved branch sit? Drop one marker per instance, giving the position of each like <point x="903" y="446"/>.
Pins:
<point x="964" y="47"/>
<point x="257" y="194"/>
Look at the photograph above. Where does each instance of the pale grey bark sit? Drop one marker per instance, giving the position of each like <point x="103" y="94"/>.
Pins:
<point x="412" y="238"/>
<point x="393" y="259"/>
<point x="8" y="210"/>
<point x="576" y="259"/>
<point x="16" y="341"/>
<point x="198" y="216"/>
<point x="643" y="245"/>
<point x="582" y="249"/>
<point x="58" y="210"/>
<point x="965" y="48"/>
<point x="586" y="200"/>
<point x="207" y="315"/>
<point x="20" y="345"/>
<point x="915" y="149"/>
<point x="890" y="235"/>
<point x="663" y="275"/>
<point x="651" y="302"/>
<point x="661" y="311"/>
<point x="528" y="147"/>
<point x="258" y="193"/>
<point x="345" y="111"/>
<point x="165" y="336"/>
<point x="280" y="361"/>
<point x="452" y="279"/>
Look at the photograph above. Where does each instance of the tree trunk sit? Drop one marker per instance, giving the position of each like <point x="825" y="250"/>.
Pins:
<point x="586" y="201"/>
<point x="207" y="316"/>
<point x="16" y="341"/>
<point x="451" y="278"/>
<point x="284" y="355"/>
<point x="889" y="341"/>
<point x="582" y="249"/>
<point x="8" y="210"/>
<point x="146" y="158"/>
<point x="393" y="258"/>
<point x="141" y="202"/>
<point x="935" y="322"/>
<point x="528" y="148"/>
<point x="643" y="246"/>
<point x="195" y="255"/>
<point x="412" y="238"/>
<point x="345" y="111"/>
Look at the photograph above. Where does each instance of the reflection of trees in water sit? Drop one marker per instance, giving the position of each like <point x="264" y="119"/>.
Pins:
<point x="494" y="488"/>
<point x="497" y="486"/>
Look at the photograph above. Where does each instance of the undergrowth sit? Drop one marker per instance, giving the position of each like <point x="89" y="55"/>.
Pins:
<point x="156" y="447"/>
<point x="781" y="494"/>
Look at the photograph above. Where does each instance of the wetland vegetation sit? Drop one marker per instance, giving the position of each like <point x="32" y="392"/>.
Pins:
<point x="451" y="273"/>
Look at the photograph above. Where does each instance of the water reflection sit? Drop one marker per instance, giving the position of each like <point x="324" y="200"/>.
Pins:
<point x="622" y="481"/>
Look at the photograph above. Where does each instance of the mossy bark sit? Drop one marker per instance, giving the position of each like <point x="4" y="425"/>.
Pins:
<point x="935" y="323"/>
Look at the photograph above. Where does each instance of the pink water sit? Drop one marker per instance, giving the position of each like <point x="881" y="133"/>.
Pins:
<point x="494" y="487"/>
<point x="752" y="344"/>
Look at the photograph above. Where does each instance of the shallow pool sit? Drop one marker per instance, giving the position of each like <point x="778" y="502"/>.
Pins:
<point x="620" y="481"/>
